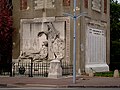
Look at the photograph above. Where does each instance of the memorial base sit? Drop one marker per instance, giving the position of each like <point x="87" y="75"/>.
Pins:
<point x="96" y="68"/>
<point x="55" y="70"/>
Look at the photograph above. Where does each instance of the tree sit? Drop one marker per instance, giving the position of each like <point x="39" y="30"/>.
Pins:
<point x="115" y="21"/>
<point x="5" y="32"/>
<point x="115" y="34"/>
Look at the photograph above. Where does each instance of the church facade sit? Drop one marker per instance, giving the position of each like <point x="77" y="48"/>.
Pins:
<point x="44" y="33"/>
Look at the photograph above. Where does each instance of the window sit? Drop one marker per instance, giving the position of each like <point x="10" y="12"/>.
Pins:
<point x="23" y="4"/>
<point x="105" y="6"/>
<point x="66" y="2"/>
<point x="86" y="3"/>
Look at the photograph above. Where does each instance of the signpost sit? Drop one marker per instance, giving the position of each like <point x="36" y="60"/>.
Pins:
<point x="75" y="17"/>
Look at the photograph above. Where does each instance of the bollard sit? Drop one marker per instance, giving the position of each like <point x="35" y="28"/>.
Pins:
<point x="116" y="74"/>
<point x="91" y="73"/>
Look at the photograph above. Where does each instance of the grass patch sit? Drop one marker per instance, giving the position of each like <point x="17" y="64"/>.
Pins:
<point x="105" y="74"/>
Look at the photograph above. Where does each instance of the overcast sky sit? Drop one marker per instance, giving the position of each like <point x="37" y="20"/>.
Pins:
<point x="118" y="1"/>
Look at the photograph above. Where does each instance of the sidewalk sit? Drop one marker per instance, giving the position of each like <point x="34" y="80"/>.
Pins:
<point x="64" y="82"/>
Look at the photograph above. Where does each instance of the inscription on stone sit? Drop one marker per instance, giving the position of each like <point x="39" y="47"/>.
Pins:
<point x="40" y="4"/>
<point x="95" y="46"/>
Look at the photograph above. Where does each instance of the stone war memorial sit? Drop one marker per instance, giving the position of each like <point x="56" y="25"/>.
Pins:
<point x="44" y="35"/>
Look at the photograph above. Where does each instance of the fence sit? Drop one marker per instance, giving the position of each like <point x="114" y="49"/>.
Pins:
<point x="31" y="69"/>
<point x="39" y="69"/>
<point x="66" y="69"/>
<point x="5" y="69"/>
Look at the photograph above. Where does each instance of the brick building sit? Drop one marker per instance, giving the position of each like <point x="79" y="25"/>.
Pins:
<point x="92" y="35"/>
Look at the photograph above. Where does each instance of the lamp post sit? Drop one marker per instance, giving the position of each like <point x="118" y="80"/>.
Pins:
<point x="75" y="17"/>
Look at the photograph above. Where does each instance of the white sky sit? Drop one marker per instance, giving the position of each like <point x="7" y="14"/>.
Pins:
<point x="118" y="1"/>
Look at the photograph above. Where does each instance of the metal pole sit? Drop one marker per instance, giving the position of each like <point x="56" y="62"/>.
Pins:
<point x="74" y="37"/>
<point x="31" y="74"/>
<point x="74" y="46"/>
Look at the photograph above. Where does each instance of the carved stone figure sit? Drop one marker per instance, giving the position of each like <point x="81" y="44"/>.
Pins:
<point x="46" y="46"/>
<point x="55" y="44"/>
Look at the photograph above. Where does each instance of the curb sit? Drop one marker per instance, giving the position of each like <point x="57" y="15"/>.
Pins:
<point x="36" y="85"/>
<point x="93" y="86"/>
<point x="53" y="86"/>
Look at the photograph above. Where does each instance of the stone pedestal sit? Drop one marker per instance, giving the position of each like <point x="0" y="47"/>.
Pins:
<point x="55" y="70"/>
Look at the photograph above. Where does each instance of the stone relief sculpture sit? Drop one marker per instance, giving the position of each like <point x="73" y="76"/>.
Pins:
<point x="53" y="47"/>
<point x="59" y="47"/>
<point x="96" y="5"/>
<point x="53" y="34"/>
<point x="55" y="44"/>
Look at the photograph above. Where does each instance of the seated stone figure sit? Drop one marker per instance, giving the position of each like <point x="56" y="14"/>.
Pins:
<point x="42" y="54"/>
<point x="36" y="55"/>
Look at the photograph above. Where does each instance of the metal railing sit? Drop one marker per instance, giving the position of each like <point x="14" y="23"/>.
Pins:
<point x="33" y="69"/>
<point x="67" y="69"/>
<point x="5" y="69"/>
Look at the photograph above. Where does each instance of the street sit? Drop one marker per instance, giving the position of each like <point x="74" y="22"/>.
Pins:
<point x="40" y="88"/>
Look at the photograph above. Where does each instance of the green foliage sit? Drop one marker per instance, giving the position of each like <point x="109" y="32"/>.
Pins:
<point x="105" y="74"/>
<point x="115" y="21"/>
<point x="115" y="34"/>
<point x="115" y="51"/>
